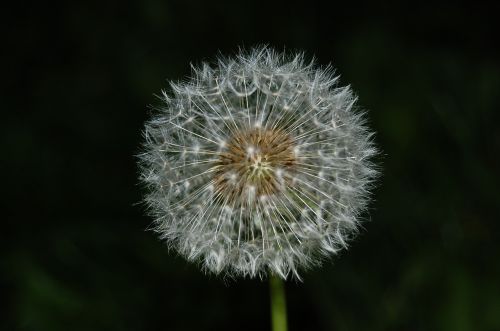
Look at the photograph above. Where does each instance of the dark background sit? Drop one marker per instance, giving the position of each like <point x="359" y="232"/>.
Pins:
<point x="77" y="79"/>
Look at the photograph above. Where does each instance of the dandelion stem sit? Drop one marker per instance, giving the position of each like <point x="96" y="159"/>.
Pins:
<point x="278" y="303"/>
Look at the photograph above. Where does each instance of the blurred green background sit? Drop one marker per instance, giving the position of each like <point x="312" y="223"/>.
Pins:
<point x="77" y="78"/>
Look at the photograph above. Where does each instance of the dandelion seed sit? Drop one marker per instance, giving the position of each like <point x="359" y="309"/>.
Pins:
<point x="258" y="164"/>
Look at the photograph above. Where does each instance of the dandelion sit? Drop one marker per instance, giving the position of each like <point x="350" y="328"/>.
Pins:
<point x="258" y="164"/>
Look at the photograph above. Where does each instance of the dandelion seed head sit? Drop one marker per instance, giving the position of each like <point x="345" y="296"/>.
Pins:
<point x="260" y="163"/>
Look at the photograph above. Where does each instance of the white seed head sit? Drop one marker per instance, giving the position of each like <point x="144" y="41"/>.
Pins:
<point x="258" y="164"/>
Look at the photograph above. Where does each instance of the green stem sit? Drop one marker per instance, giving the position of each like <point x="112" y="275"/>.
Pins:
<point x="278" y="303"/>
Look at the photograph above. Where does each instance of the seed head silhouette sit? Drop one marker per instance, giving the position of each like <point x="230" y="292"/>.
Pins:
<point x="259" y="163"/>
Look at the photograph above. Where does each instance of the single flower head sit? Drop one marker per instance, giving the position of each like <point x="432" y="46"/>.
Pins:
<point x="257" y="164"/>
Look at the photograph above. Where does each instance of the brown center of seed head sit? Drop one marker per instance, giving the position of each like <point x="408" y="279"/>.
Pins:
<point x="253" y="165"/>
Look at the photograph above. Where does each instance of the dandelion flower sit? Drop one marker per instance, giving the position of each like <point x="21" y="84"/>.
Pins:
<point x="258" y="164"/>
